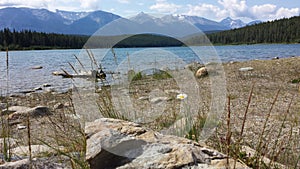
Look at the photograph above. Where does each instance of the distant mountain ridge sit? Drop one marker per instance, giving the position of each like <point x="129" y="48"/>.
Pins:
<point x="87" y="23"/>
<point x="42" y="20"/>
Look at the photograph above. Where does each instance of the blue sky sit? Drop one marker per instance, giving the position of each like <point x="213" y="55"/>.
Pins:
<point x="246" y="10"/>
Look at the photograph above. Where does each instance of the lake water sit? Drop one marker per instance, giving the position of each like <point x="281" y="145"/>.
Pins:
<point x="21" y="76"/>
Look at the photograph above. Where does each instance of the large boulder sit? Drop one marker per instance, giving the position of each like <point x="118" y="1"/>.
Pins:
<point x="113" y="143"/>
<point x="194" y="66"/>
<point x="201" y="72"/>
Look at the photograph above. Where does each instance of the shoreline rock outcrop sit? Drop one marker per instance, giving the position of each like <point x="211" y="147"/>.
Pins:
<point x="114" y="143"/>
<point x="16" y="112"/>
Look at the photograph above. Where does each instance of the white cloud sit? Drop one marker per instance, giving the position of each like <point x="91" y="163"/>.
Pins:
<point x="68" y="5"/>
<point x="90" y="4"/>
<point x="82" y="5"/>
<point x="112" y="10"/>
<point x="226" y="8"/>
<point x="22" y="3"/>
<point x="271" y="12"/>
<point x="286" y="13"/>
<point x="207" y="10"/>
<point x="165" y="7"/>
<point x="263" y="9"/>
<point x="235" y="8"/>
<point x="124" y="1"/>
<point x="238" y="9"/>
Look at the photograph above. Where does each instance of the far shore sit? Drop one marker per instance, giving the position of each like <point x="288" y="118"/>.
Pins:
<point x="216" y="44"/>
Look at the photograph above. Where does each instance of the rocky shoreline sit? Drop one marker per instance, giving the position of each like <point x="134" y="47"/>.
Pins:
<point x="53" y="122"/>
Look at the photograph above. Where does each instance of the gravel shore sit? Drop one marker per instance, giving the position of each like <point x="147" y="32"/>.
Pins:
<point x="267" y="77"/>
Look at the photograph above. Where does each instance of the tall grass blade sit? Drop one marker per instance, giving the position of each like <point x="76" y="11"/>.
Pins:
<point x="5" y="119"/>
<point x="73" y="68"/>
<point x="114" y="56"/>
<point x="228" y="135"/>
<point x="92" y="58"/>
<point x="80" y="63"/>
<point x="29" y="142"/>
<point x="279" y="133"/>
<point x="246" y="111"/>
<point x="260" y="140"/>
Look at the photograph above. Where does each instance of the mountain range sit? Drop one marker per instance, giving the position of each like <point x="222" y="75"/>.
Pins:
<point x="87" y="23"/>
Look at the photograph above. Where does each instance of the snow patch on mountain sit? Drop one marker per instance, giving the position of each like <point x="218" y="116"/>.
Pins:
<point x="232" y="23"/>
<point x="143" y="18"/>
<point x="71" y="16"/>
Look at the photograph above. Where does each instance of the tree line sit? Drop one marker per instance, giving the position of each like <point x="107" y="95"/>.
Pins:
<point x="285" y="30"/>
<point x="27" y="39"/>
<point x="278" y="31"/>
<point x="148" y="40"/>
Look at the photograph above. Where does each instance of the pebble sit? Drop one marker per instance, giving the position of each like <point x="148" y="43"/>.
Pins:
<point x="56" y="73"/>
<point x="26" y="92"/>
<point x="244" y="69"/>
<point x="158" y="99"/>
<point x="37" y="67"/>
<point x="21" y="127"/>
<point x="49" y="89"/>
<point x="3" y="106"/>
<point x="143" y="98"/>
<point x="58" y="106"/>
<point x="68" y="104"/>
<point x="46" y="85"/>
<point x="172" y="91"/>
<point x="37" y="88"/>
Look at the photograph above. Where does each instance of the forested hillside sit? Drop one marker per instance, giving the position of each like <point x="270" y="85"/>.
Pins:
<point x="14" y="40"/>
<point x="26" y="39"/>
<point x="278" y="31"/>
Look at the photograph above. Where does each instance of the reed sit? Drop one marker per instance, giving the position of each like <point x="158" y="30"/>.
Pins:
<point x="258" y="154"/>
<point x="274" y="148"/>
<point x="29" y="141"/>
<point x="5" y="128"/>
<point x="228" y="135"/>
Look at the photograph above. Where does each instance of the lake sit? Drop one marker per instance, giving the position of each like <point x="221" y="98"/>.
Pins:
<point x="21" y="76"/>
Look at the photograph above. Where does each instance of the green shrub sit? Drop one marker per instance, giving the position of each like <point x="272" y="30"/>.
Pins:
<point x="296" y="80"/>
